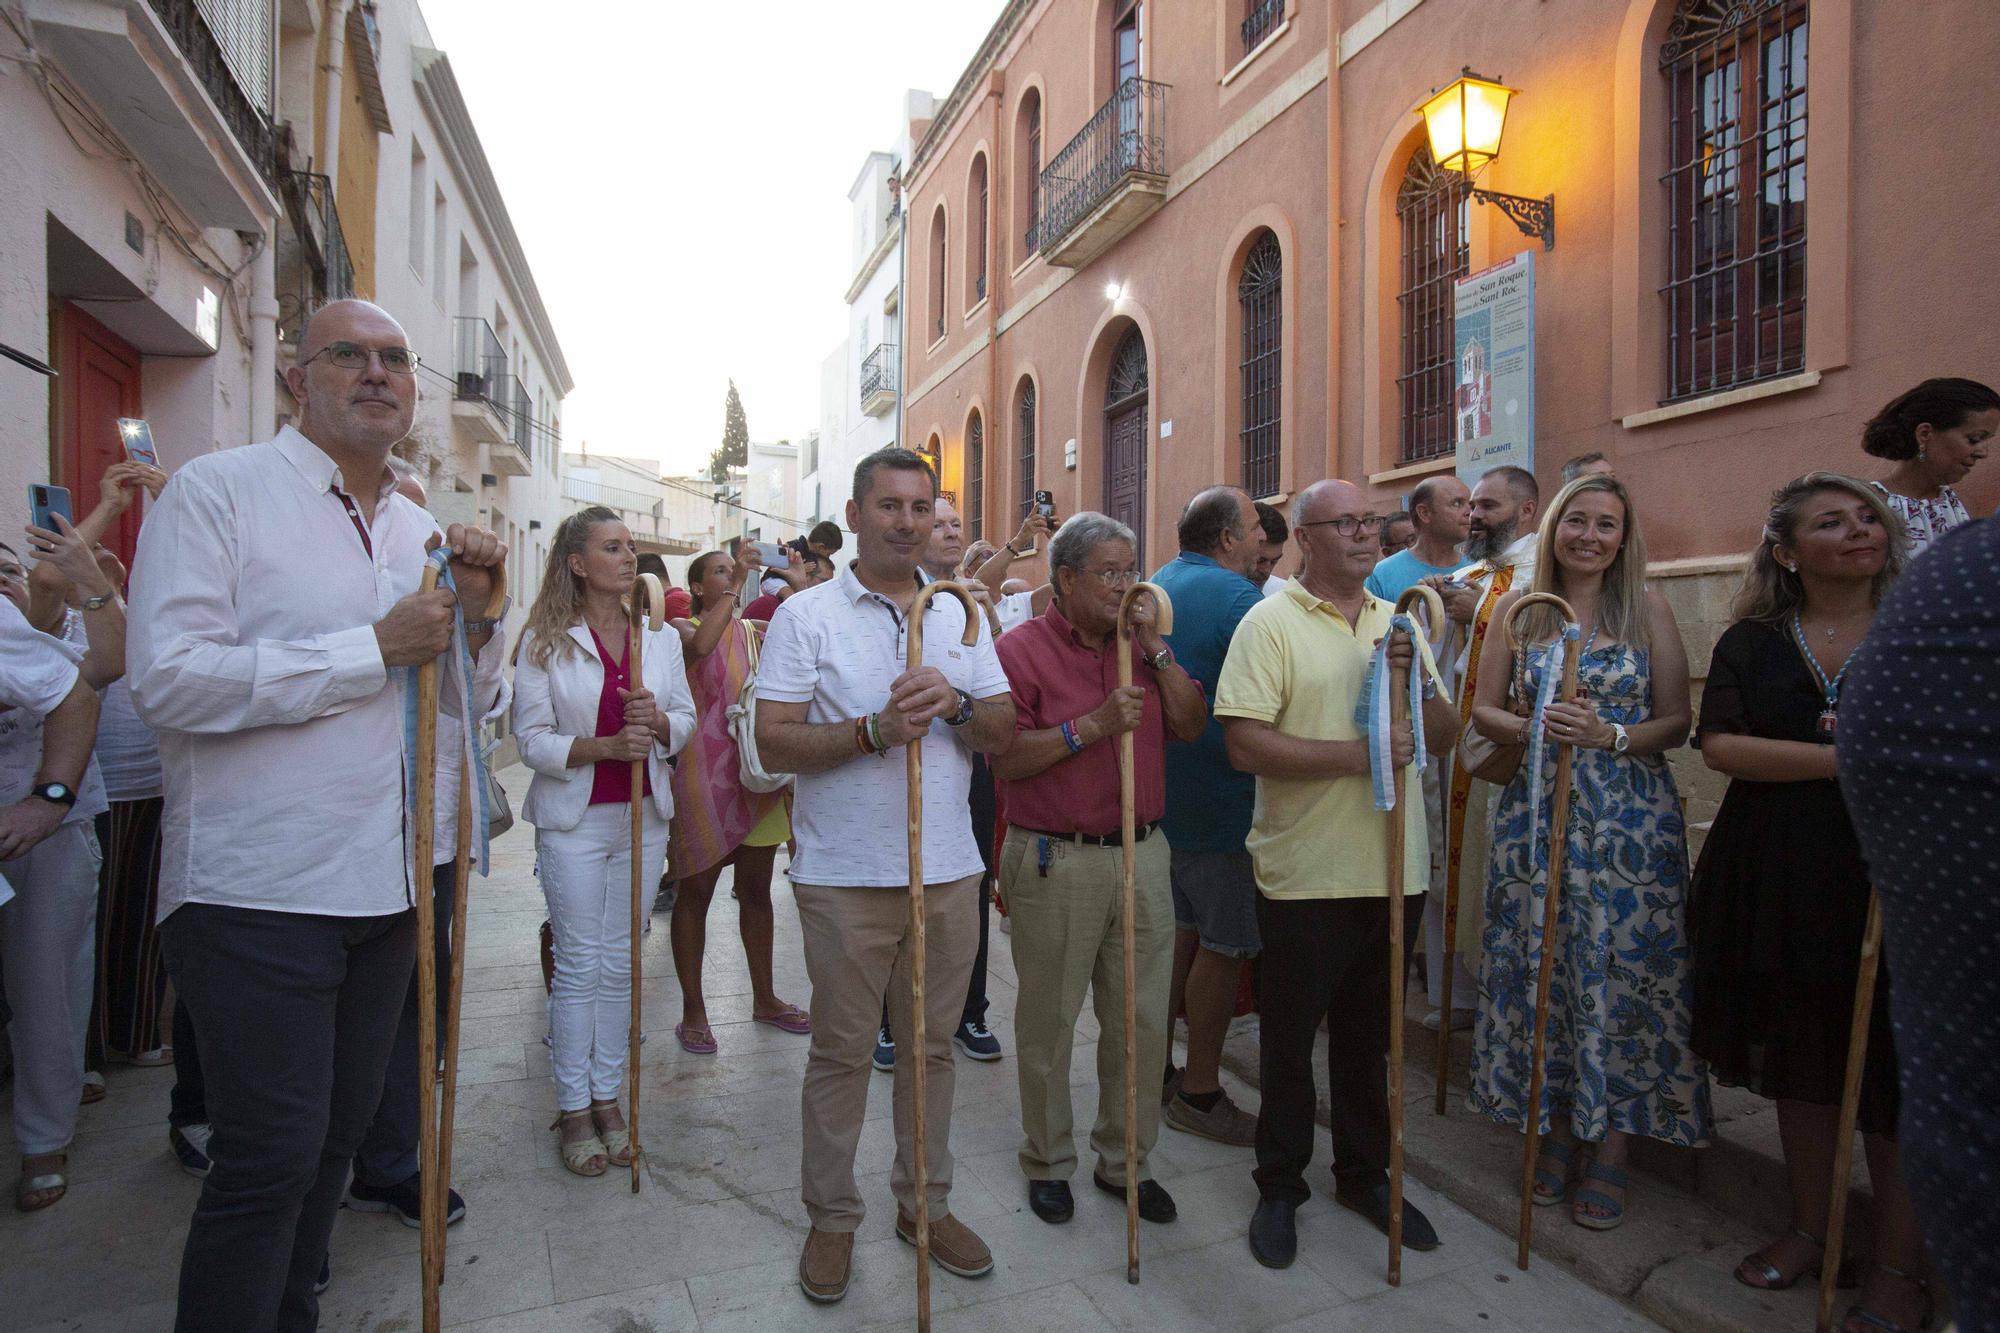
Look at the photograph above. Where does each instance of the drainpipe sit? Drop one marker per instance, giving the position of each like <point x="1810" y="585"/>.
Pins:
<point x="997" y="195"/>
<point x="264" y="341"/>
<point x="329" y="116"/>
<point x="1301" y="478"/>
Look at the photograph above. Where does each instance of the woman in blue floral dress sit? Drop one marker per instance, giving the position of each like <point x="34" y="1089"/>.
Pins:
<point x="1619" y="1003"/>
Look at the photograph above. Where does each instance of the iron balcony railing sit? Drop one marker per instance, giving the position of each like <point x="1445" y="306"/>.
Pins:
<point x="1127" y="136"/>
<point x="1264" y="16"/>
<point x="252" y="128"/>
<point x="312" y="264"/>
<point x="878" y="371"/>
<point x="482" y="364"/>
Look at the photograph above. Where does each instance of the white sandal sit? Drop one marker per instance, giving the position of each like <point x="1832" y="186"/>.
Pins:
<point x="58" y="1181"/>
<point x="577" y="1155"/>
<point x="617" y="1142"/>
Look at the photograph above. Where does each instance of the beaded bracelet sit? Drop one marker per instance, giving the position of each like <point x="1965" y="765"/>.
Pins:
<point x="861" y="735"/>
<point x="1071" y="738"/>
<point x="875" y="732"/>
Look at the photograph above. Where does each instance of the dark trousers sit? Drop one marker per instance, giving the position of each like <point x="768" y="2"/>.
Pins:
<point x="1325" y="959"/>
<point x="388" y="1153"/>
<point x="296" y="1015"/>
<point x="188" y="1103"/>
<point x="985" y="810"/>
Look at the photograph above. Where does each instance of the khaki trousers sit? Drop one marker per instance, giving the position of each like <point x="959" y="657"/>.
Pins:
<point x="1068" y="935"/>
<point x="857" y="947"/>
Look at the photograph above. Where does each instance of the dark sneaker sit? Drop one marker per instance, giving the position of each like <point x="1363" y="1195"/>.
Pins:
<point x="405" y="1200"/>
<point x="1373" y="1204"/>
<point x="325" y="1278"/>
<point x="1155" y="1204"/>
<point x="885" y="1051"/>
<point x="190" y="1145"/>
<point x="1170" y="1083"/>
<point x="1274" y="1234"/>
<point x="1225" y="1122"/>
<point x="976" y="1042"/>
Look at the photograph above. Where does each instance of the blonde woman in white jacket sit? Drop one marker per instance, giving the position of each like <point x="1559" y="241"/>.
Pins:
<point x="581" y="724"/>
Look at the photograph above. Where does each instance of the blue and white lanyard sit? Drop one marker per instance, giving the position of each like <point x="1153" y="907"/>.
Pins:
<point x="468" y="733"/>
<point x="1552" y="673"/>
<point x="1829" y="688"/>
<point x="1372" y="714"/>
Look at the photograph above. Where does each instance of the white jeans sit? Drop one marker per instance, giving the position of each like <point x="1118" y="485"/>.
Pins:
<point x="587" y="880"/>
<point x="47" y="949"/>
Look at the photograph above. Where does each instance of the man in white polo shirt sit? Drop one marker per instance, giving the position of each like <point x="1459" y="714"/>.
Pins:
<point x="836" y="705"/>
<point x="274" y="596"/>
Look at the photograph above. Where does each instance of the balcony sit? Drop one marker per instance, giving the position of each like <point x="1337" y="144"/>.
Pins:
<point x="644" y="514"/>
<point x="312" y="263"/>
<point x="166" y="85"/>
<point x="878" y="381"/>
<point x="1107" y="180"/>
<point x="482" y="407"/>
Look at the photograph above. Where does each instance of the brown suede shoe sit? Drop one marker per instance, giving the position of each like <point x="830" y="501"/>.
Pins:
<point x="824" y="1264"/>
<point x="954" y="1247"/>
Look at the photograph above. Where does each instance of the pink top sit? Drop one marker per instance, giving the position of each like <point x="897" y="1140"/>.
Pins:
<point x="713" y="812"/>
<point x="611" y="779"/>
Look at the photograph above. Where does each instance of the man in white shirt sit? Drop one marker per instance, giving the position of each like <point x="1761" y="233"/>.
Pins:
<point x="1276" y="532"/>
<point x="1500" y="543"/>
<point x="837" y="706"/>
<point x="48" y="847"/>
<point x="276" y="587"/>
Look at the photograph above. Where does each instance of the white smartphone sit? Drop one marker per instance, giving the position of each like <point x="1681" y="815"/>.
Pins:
<point x="772" y="554"/>
<point x="137" y="435"/>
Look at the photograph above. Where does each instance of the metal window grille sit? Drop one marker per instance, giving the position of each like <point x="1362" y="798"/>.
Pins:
<point x="1264" y="16"/>
<point x="1736" y="190"/>
<point x="1260" y="294"/>
<point x="975" y="478"/>
<point x="1034" y="173"/>
<point x="979" y="236"/>
<point x="1027" y="430"/>
<point x="1126" y="136"/>
<point x="1432" y="207"/>
<point x="937" y="275"/>
<point x="242" y="28"/>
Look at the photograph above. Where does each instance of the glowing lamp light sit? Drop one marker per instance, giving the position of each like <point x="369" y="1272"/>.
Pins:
<point x="1465" y="120"/>
<point x="1114" y="291"/>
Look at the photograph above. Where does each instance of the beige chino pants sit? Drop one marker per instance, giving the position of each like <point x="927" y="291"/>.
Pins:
<point x="1068" y="936"/>
<point x="857" y="947"/>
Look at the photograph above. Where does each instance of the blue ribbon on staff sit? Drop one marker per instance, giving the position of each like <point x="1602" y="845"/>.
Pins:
<point x="1372" y="713"/>
<point x="1552" y="671"/>
<point x="468" y="731"/>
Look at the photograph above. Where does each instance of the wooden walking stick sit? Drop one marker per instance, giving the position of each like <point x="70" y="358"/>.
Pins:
<point x="1448" y="963"/>
<point x="1850" y="1107"/>
<point x="1551" y="910"/>
<point x="1128" y="814"/>
<point x="914" y="778"/>
<point x="437" y="1184"/>
<point x="1399" y="712"/>
<point x="647" y="611"/>
<point x="423" y="837"/>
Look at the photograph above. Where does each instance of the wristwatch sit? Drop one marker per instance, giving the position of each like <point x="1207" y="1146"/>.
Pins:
<point x="1161" y="660"/>
<point x="1620" y="741"/>
<point x="99" y="602"/>
<point x="56" y="793"/>
<point x="964" y="713"/>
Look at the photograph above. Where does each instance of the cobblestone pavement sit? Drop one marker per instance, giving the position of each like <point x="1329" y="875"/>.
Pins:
<point x="712" y="1239"/>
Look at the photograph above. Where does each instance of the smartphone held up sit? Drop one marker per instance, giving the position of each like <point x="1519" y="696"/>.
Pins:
<point x="136" y="434"/>
<point x="45" y="502"/>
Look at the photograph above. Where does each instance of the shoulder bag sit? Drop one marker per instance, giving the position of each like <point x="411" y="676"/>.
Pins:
<point x="742" y="717"/>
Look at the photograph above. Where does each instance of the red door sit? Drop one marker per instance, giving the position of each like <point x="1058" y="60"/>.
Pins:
<point x="99" y="383"/>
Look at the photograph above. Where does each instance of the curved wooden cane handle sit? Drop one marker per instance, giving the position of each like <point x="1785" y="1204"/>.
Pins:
<point x="918" y="607"/>
<point x="1534" y="599"/>
<point x="648" y="602"/>
<point x="1163" y="621"/>
<point x="1434" y="616"/>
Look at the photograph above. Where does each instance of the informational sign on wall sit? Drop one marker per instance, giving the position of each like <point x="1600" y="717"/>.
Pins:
<point x="1493" y="316"/>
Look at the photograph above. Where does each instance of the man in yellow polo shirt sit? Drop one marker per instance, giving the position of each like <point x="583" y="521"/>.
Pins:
<point x="1287" y="700"/>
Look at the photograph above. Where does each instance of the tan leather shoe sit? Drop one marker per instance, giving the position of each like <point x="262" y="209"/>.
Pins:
<point x="954" y="1247"/>
<point x="824" y="1264"/>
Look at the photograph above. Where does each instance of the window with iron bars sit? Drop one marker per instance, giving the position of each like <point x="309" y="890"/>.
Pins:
<point x="1260" y="295"/>
<point x="1027" y="432"/>
<point x="1736" y="193"/>
<point x="1263" y="16"/>
<point x="1431" y="205"/>
<point x="975" y="478"/>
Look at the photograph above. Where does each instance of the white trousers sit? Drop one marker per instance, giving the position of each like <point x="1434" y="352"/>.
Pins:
<point x="587" y="880"/>
<point x="48" y="953"/>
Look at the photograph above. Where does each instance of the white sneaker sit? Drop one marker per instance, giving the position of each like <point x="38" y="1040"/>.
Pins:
<point x="1461" y="1020"/>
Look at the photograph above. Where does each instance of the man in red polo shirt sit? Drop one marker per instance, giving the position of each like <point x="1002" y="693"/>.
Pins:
<point x="1062" y="867"/>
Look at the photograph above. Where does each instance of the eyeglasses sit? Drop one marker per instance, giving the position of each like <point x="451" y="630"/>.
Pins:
<point x="352" y="356"/>
<point x="1347" y="527"/>
<point x="1113" y="578"/>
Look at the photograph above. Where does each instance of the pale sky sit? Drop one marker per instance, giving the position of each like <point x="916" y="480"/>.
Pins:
<point x="678" y="176"/>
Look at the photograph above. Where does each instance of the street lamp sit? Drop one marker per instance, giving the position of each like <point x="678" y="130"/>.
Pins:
<point x="1464" y="121"/>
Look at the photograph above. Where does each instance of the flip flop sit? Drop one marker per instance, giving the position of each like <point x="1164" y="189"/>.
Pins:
<point x="706" y="1046"/>
<point x="790" y="1019"/>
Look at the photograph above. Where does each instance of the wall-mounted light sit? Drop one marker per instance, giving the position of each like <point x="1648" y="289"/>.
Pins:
<point x="1114" y="291"/>
<point x="1465" y="121"/>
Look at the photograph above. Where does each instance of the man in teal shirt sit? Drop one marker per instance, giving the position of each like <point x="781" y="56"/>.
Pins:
<point x="1208" y="811"/>
<point x="1441" y="507"/>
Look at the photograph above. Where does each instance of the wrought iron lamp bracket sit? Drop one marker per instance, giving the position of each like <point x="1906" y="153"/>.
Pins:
<point x="1535" y="217"/>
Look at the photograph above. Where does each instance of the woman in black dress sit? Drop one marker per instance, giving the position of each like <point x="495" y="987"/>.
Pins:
<point x="1781" y="891"/>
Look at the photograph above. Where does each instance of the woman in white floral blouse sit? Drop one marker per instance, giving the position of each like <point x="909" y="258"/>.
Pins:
<point x="1935" y="433"/>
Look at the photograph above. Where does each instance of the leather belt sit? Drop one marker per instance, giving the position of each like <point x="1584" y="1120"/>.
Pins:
<point x="1139" y="835"/>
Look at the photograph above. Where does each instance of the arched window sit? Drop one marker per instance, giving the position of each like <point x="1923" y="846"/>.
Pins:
<point x="937" y="274"/>
<point x="1736" y="190"/>
<point x="975" y="478"/>
<point x="975" y="233"/>
<point x="1260" y="295"/>
<point x="1025" y="415"/>
<point x="1431" y="205"/>
<point x="1028" y="170"/>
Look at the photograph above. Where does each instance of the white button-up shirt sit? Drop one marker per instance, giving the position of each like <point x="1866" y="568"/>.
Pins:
<point x="37" y="672"/>
<point x="837" y="647"/>
<point x="251" y="652"/>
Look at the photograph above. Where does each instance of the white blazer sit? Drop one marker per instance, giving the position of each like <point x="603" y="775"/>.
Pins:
<point x="556" y="705"/>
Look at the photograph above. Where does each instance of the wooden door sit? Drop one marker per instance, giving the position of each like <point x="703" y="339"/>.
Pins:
<point x="99" y="383"/>
<point x="1125" y="436"/>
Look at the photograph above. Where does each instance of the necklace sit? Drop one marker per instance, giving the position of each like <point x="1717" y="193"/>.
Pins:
<point x="1828" y="721"/>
